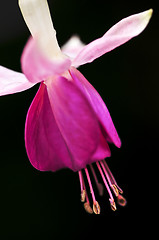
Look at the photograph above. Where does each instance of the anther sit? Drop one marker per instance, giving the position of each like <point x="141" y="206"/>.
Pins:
<point x="83" y="195"/>
<point x="96" y="207"/>
<point x="115" y="190"/>
<point x="110" y="177"/>
<point x="113" y="205"/>
<point x="121" y="200"/>
<point x="88" y="208"/>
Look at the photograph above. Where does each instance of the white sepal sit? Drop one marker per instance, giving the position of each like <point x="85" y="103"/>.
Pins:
<point x="37" y="17"/>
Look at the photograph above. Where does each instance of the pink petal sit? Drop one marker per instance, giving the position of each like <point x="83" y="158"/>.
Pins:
<point x="12" y="82"/>
<point x="102" y="151"/>
<point x="73" y="47"/>
<point x="46" y="148"/>
<point x="76" y="120"/>
<point x="99" y="107"/>
<point x="37" y="67"/>
<point x="120" y="33"/>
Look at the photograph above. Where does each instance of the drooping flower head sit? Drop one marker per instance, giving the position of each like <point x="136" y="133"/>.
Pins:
<point x="68" y="125"/>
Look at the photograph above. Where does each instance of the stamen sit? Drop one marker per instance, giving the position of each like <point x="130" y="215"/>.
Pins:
<point x="88" y="208"/>
<point x="111" y="180"/>
<point x="82" y="185"/>
<point x="98" y="184"/>
<point x="105" y="181"/>
<point x="115" y="189"/>
<point x="121" y="201"/>
<point x="84" y="195"/>
<point x="90" y="185"/>
<point x="113" y="186"/>
<point x="87" y="203"/>
<point x="113" y="205"/>
<point x="108" y="179"/>
<point x="96" y="207"/>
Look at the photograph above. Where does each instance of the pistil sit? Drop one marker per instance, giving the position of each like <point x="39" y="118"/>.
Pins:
<point x="98" y="184"/>
<point x="121" y="200"/>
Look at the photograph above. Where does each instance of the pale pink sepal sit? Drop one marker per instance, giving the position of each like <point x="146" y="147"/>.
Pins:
<point x="37" y="67"/>
<point x="120" y="33"/>
<point x="12" y="82"/>
<point x="72" y="47"/>
<point x="102" y="113"/>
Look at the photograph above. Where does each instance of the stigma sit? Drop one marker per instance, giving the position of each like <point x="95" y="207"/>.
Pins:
<point x="109" y="182"/>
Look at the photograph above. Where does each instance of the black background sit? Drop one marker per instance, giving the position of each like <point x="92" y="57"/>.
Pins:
<point x="44" y="205"/>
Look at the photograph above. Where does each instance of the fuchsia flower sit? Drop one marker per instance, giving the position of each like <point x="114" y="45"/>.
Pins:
<point x="68" y="125"/>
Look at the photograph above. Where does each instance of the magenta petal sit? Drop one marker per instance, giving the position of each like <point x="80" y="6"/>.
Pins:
<point x="76" y="120"/>
<point x="46" y="148"/>
<point x="103" y="150"/>
<point x="13" y="82"/>
<point x="37" y="67"/>
<point x="99" y="107"/>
